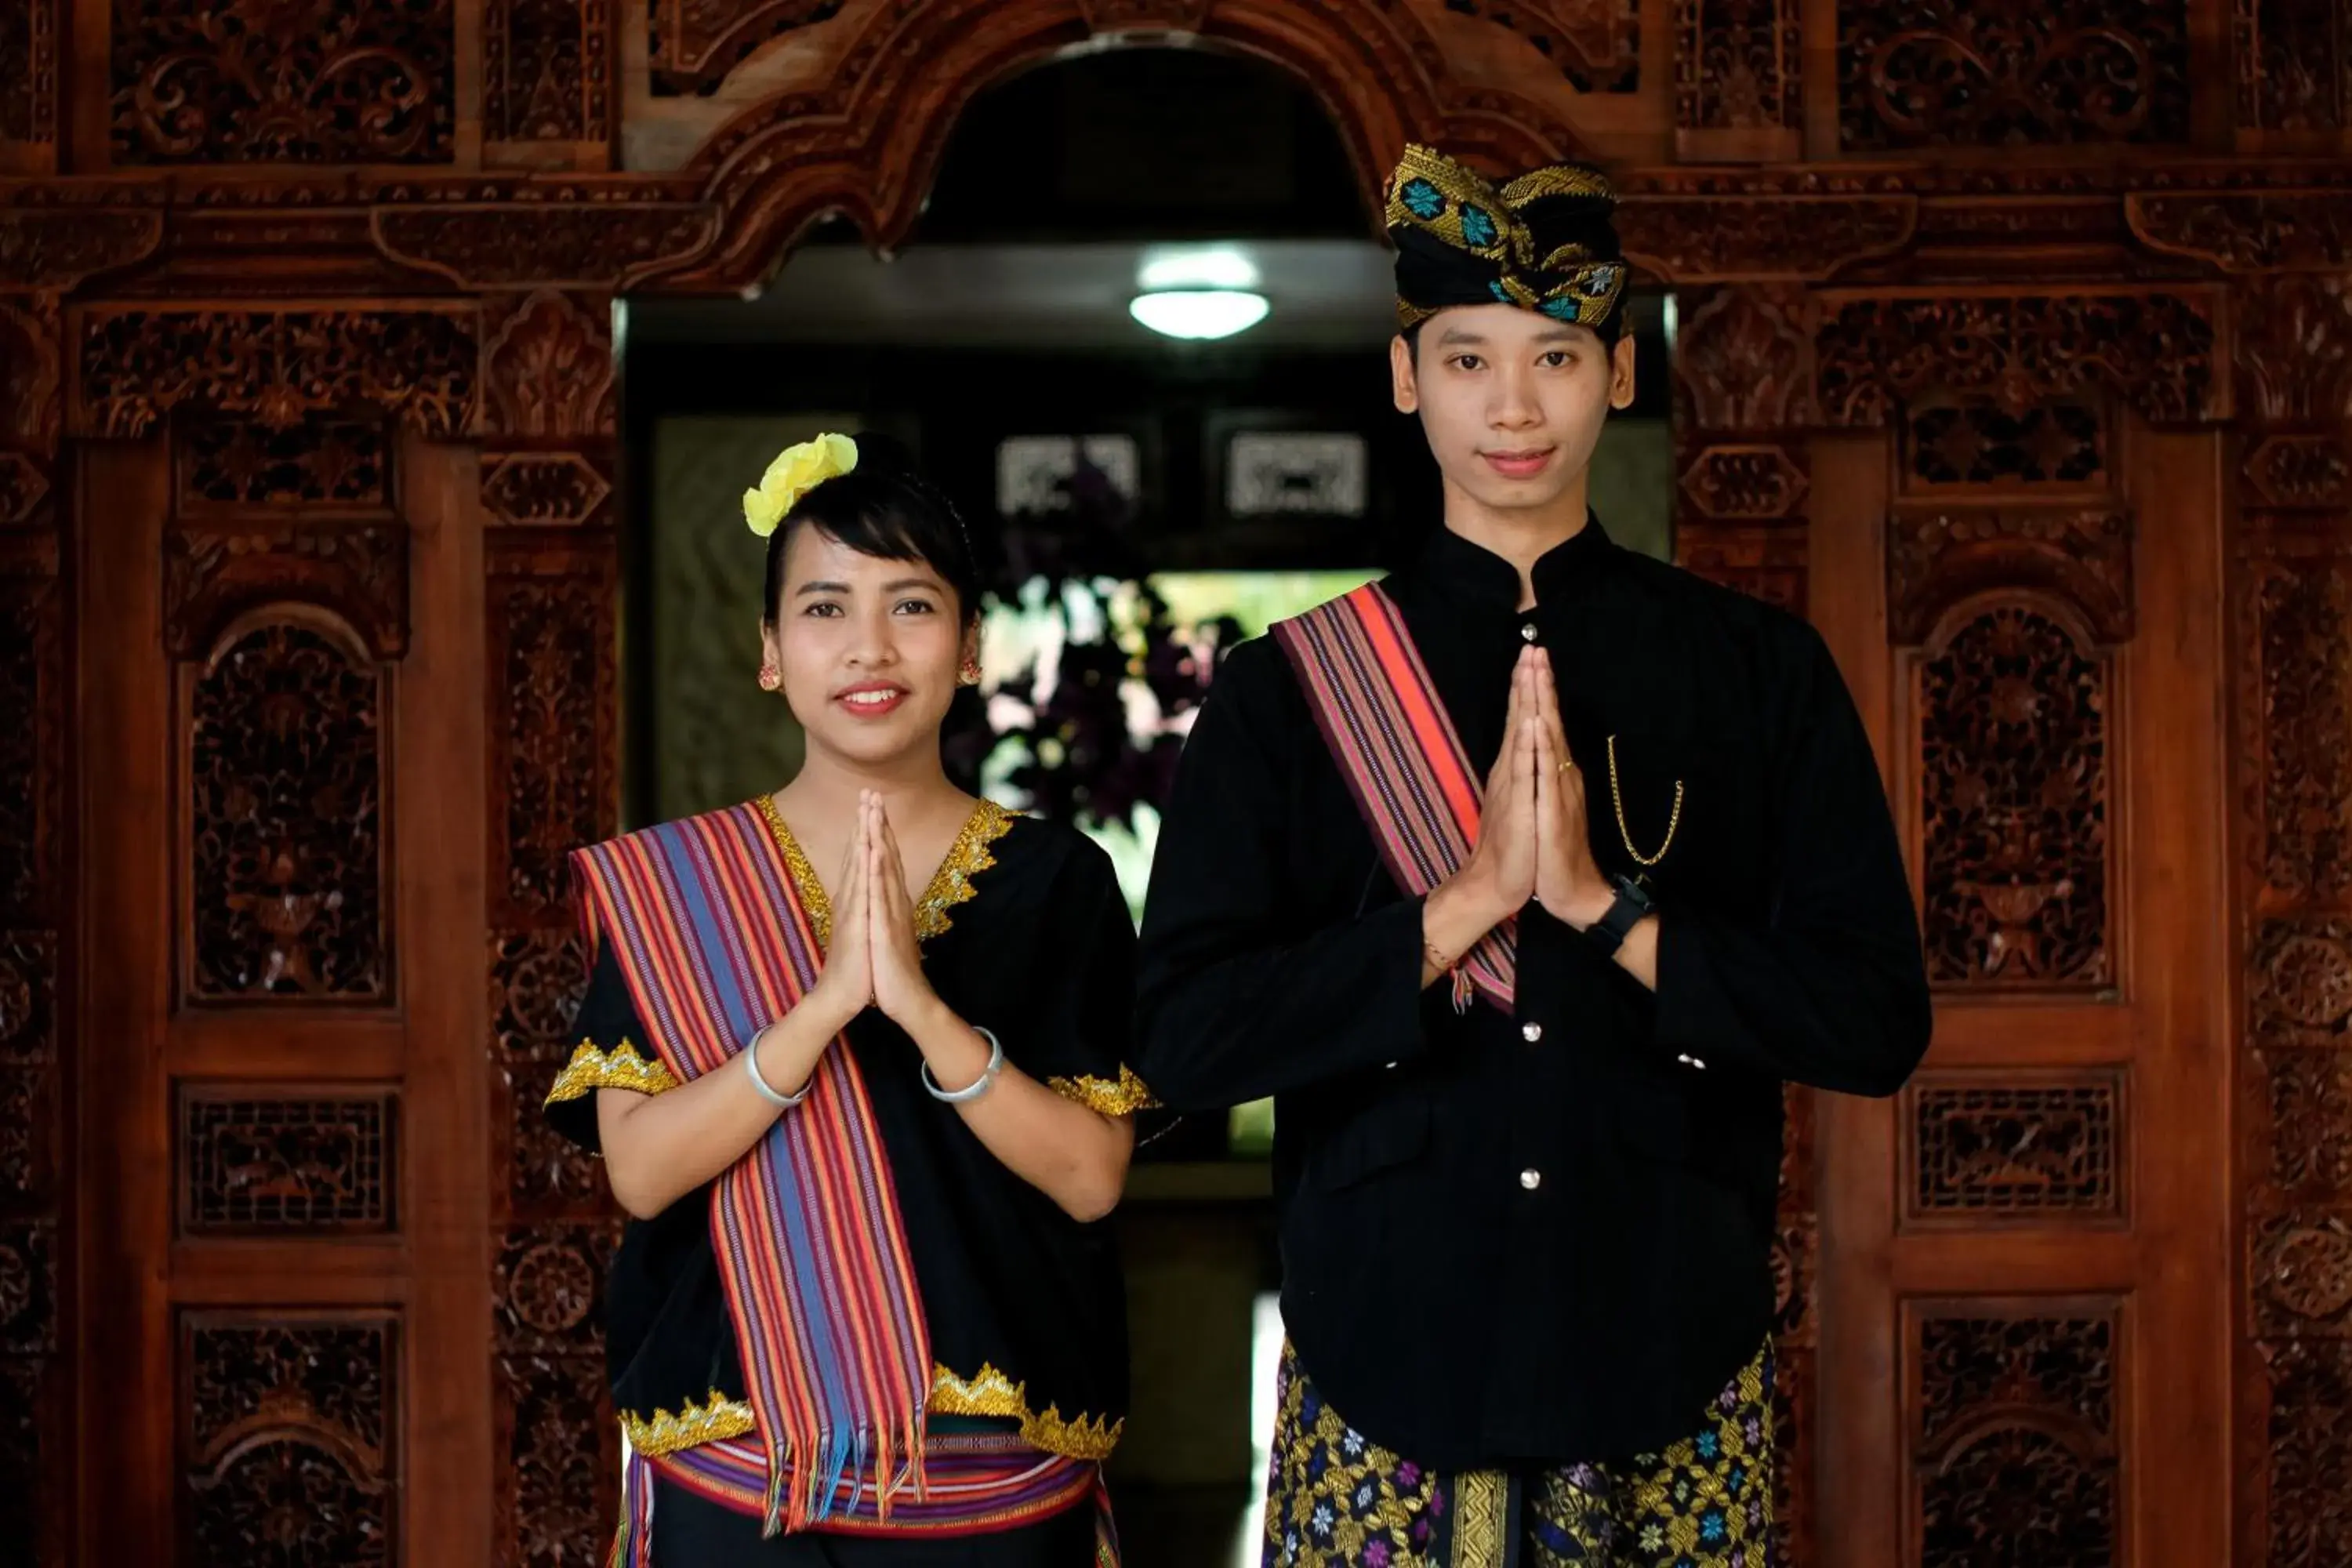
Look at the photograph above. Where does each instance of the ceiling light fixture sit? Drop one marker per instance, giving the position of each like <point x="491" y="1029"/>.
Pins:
<point x="1199" y="313"/>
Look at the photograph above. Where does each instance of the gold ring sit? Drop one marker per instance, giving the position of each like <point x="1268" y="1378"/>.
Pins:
<point x="1568" y="766"/>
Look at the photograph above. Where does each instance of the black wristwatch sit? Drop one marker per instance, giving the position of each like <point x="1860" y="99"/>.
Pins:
<point x="1633" y="903"/>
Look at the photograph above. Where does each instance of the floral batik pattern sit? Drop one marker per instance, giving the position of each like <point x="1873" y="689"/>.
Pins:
<point x="1337" y="1500"/>
<point x="1705" y="1502"/>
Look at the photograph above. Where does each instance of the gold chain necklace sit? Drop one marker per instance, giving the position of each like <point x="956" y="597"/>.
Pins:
<point x="1617" y="799"/>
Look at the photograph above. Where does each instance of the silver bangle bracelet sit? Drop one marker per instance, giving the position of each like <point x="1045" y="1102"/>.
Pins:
<point x="752" y="1066"/>
<point x="978" y="1087"/>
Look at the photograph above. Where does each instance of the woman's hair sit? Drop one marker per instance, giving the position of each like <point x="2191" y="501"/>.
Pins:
<point x="885" y="508"/>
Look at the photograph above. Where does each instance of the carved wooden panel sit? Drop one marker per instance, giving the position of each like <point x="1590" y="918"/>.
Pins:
<point x="1977" y="444"/>
<point x="2012" y="717"/>
<point x="30" y="752"/>
<point x="29" y="1287"/>
<point x="1940" y="557"/>
<point x="537" y="981"/>
<point x="1922" y="73"/>
<point x="1738" y="68"/>
<point x="547" y="70"/>
<point x="2016" y="1146"/>
<point x="693" y="44"/>
<point x="318" y="465"/>
<point x="278" y="82"/>
<point x="2294" y="65"/>
<point x="285" y="853"/>
<point x="1596" y="44"/>
<point x="215" y="572"/>
<point x="277" y="367"/>
<point x="289" y="1438"/>
<point x="2016" y="352"/>
<point x="29" y="72"/>
<point x="2306" y="1412"/>
<point x="2014" y="1443"/>
<point x="256" y="1159"/>
<point x="552" y="720"/>
<point x="557" y="1440"/>
<point x="2295" y="351"/>
<point x="2296" y="626"/>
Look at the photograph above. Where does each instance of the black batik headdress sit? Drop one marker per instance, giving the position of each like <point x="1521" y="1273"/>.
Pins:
<point x="1543" y="241"/>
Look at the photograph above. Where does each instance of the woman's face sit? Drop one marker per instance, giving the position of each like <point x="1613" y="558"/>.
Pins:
<point x="868" y="648"/>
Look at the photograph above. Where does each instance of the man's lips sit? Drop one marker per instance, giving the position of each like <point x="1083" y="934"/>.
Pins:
<point x="1520" y="465"/>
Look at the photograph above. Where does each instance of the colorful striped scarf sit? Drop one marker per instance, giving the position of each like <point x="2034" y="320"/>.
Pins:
<point x="1396" y="747"/>
<point x="715" y="944"/>
<point x="979" y="1483"/>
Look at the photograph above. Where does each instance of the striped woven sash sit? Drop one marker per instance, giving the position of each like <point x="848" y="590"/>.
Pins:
<point x="712" y="937"/>
<point x="980" y="1482"/>
<point x="1396" y="746"/>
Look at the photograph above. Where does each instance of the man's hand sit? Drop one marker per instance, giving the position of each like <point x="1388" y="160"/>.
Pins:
<point x="1570" y="883"/>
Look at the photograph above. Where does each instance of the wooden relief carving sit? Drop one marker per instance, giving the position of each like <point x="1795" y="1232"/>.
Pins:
<point x="1745" y="361"/>
<point x="2016" y="352"/>
<point x="2012" y="716"/>
<point x="290" y="1437"/>
<point x="2299" y="990"/>
<point x="2307" y="1428"/>
<point x="257" y="1162"/>
<point x="2290" y="473"/>
<point x="2299" y="600"/>
<point x="557" y="1446"/>
<point x="1692" y="240"/>
<point x="1738" y="65"/>
<point x="285" y="852"/>
<point x="2303" y="1275"/>
<point x="1974" y="444"/>
<point x="693" y="44"/>
<point x="547" y="70"/>
<point x="318" y="465"/>
<point x="2294" y="65"/>
<point x="29" y="72"/>
<point x="2309" y="1116"/>
<point x="2014" y="1454"/>
<point x="1923" y="73"/>
<point x="2246" y="231"/>
<point x="550" y="370"/>
<point x="29" y="1287"/>
<point x="57" y="246"/>
<point x="277" y="367"/>
<point x="30" y="752"/>
<point x="24" y="1417"/>
<point x="284" y="81"/>
<point x="537" y="981"/>
<point x="1938" y="558"/>
<point x="1596" y="44"/>
<point x="553" y="748"/>
<point x="2041" y="1148"/>
<point x="556" y="1431"/>
<point x="215" y="573"/>
<point x="600" y="245"/>
<point x="2295" y="350"/>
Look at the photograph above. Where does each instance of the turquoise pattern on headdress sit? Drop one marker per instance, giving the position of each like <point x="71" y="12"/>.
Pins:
<point x="1425" y="199"/>
<point x="1560" y="307"/>
<point x="1477" y="227"/>
<point x="1500" y="292"/>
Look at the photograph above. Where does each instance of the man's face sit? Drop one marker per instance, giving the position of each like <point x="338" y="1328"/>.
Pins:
<point x="1512" y="401"/>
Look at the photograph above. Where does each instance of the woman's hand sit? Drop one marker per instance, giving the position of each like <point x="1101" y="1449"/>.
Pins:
<point x="900" y="988"/>
<point x="845" y="987"/>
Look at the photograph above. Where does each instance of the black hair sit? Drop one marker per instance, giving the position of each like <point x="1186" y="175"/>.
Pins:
<point x="885" y="508"/>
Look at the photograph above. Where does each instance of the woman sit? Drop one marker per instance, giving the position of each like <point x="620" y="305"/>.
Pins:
<point x="865" y="1123"/>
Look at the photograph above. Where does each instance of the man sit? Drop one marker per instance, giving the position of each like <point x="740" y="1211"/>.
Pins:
<point x="1528" y="1117"/>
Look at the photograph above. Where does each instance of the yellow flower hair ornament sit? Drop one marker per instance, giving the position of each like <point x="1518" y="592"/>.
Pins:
<point x="797" y="470"/>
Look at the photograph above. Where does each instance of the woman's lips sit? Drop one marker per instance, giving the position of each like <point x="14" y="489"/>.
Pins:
<point x="871" y="701"/>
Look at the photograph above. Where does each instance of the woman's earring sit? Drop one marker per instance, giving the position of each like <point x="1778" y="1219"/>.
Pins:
<point x="769" y="678"/>
<point x="970" y="674"/>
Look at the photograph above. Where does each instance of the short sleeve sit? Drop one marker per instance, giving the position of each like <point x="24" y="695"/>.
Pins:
<point x="1080" y="1040"/>
<point x="609" y="1053"/>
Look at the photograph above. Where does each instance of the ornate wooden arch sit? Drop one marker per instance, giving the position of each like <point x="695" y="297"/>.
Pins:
<point x="869" y="144"/>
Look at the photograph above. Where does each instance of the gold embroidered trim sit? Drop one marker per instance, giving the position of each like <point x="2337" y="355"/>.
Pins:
<point x="1481" y="1519"/>
<point x="991" y="1392"/>
<point x="950" y="885"/>
<point x="592" y="1067"/>
<point x="1123" y="1098"/>
<point x="692" y="1425"/>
